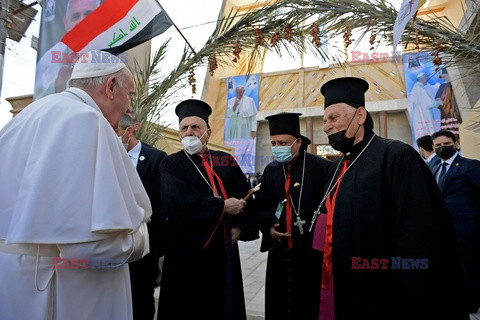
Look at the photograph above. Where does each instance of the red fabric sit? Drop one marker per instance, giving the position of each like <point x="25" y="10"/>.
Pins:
<point x="211" y="174"/>
<point x="97" y="22"/>
<point x="288" y="209"/>
<point x="327" y="269"/>
<point x="327" y="306"/>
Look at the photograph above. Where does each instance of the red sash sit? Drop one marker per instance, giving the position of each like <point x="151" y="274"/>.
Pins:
<point x="288" y="209"/>
<point x="212" y="175"/>
<point x="327" y="269"/>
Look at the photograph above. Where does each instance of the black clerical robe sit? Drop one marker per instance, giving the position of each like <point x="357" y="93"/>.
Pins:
<point x="389" y="206"/>
<point x="194" y="282"/>
<point x="288" y="294"/>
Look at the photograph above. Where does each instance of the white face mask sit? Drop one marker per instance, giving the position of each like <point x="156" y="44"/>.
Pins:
<point x="192" y="144"/>
<point x="125" y="145"/>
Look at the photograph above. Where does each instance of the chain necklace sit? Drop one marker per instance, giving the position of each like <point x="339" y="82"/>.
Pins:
<point x="330" y="187"/>
<point x="76" y="95"/>
<point x="301" y="187"/>
<point x="201" y="174"/>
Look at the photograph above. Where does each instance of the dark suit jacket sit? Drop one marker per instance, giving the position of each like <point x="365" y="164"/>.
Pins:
<point x="434" y="163"/>
<point x="462" y="195"/>
<point x="148" y="168"/>
<point x="144" y="272"/>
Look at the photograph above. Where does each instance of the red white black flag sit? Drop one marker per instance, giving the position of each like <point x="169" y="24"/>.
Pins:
<point x="71" y="27"/>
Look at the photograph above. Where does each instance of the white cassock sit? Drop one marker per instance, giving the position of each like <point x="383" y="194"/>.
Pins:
<point x="68" y="190"/>
<point x="243" y="119"/>
<point x="421" y="106"/>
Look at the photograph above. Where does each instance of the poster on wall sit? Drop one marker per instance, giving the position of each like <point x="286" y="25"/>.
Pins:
<point x="241" y="119"/>
<point x="431" y="101"/>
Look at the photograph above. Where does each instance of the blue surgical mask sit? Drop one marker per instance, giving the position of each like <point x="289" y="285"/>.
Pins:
<point x="283" y="154"/>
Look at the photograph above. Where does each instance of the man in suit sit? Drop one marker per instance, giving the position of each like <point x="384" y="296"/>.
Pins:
<point x="459" y="181"/>
<point x="143" y="273"/>
<point x="425" y="148"/>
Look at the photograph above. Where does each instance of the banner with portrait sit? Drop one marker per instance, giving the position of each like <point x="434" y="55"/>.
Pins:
<point x="241" y="119"/>
<point x="431" y="101"/>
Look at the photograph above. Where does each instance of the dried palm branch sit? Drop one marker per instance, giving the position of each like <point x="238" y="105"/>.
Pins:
<point x="460" y="45"/>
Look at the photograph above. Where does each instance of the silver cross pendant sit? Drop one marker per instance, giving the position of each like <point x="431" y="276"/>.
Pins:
<point x="299" y="223"/>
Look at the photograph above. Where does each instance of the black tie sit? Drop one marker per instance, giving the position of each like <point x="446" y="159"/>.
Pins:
<point x="441" y="177"/>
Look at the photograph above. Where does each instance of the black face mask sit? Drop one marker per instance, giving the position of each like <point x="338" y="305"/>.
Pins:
<point x="445" y="152"/>
<point x="339" y="140"/>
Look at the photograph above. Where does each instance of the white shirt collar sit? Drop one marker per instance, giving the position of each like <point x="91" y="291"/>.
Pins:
<point x="431" y="157"/>
<point x="134" y="153"/>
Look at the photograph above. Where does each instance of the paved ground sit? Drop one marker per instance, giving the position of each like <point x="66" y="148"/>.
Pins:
<point x="254" y="264"/>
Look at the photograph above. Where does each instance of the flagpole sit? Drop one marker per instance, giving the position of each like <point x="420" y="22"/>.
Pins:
<point x="4" y="8"/>
<point x="173" y="23"/>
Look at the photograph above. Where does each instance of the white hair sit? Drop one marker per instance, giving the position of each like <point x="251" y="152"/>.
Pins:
<point x="95" y="82"/>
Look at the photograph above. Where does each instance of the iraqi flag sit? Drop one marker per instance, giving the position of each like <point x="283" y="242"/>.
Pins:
<point x="114" y="26"/>
<point x="118" y="25"/>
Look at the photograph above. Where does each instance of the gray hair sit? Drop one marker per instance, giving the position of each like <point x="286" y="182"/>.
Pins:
<point x="95" y="82"/>
<point x="134" y="115"/>
<point x="127" y="121"/>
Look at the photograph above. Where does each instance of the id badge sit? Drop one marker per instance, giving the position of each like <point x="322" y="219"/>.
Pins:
<point x="280" y="207"/>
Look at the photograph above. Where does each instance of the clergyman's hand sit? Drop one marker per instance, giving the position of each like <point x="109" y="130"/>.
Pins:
<point x="234" y="206"/>
<point x="278" y="236"/>
<point x="235" y="235"/>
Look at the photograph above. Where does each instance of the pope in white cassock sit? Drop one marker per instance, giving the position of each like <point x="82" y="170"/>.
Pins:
<point x="421" y="108"/>
<point x="243" y="116"/>
<point x="73" y="210"/>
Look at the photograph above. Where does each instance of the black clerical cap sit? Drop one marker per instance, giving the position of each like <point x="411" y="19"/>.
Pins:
<point x="286" y="123"/>
<point x="193" y="107"/>
<point x="349" y="90"/>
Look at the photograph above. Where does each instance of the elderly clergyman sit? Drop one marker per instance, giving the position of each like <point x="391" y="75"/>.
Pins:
<point x="73" y="209"/>
<point x="202" y="193"/>
<point x="383" y="232"/>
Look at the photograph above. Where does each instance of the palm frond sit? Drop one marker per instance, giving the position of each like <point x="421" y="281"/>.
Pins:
<point x="461" y="45"/>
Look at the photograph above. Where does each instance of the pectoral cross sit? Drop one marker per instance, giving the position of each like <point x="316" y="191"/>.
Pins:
<point x="299" y="223"/>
